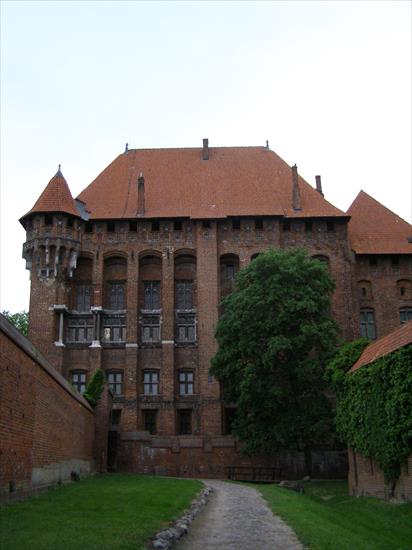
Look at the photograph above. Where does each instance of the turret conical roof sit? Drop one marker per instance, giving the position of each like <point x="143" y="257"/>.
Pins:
<point x="56" y="197"/>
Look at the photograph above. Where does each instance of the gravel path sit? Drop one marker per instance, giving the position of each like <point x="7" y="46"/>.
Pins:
<point x="237" y="518"/>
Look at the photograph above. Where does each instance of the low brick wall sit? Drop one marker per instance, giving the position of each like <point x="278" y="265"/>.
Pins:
<point x="46" y="428"/>
<point x="366" y="479"/>
<point x="208" y="457"/>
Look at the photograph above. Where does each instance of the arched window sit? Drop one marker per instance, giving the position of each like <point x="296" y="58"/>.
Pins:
<point x="321" y="258"/>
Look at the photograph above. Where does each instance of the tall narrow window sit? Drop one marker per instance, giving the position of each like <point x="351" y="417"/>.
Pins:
<point x="184" y="421"/>
<point x="115" y="382"/>
<point x="83" y="297"/>
<point x="186" y="382"/>
<point x="116" y="296"/>
<point x="184" y="294"/>
<point x="367" y="324"/>
<point x="150" y="382"/>
<point x="79" y="381"/>
<point x="151" y="294"/>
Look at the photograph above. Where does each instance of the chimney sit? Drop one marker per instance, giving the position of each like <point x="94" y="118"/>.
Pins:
<point x="205" y="154"/>
<point x="295" y="189"/>
<point x="319" y="185"/>
<point x="140" y="195"/>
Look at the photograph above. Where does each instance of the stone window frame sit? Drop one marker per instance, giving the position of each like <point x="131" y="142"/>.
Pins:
<point x="78" y="379"/>
<point x="151" y="380"/>
<point x="186" y="382"/>
<point x="115" y="381"/>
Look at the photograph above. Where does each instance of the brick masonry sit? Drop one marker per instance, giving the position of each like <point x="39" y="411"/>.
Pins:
<point x="46" y="428"/>
<point x="366" y="479"/>
<point x="194" y="252"/>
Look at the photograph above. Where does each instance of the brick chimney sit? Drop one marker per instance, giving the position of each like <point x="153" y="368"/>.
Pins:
<point x="205" y="154"/>
<point x="295" y="189"/>
<point x="319" y="185"/>
<point x="140" y="195"/>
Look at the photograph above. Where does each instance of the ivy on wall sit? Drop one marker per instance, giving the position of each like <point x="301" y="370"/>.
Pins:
<point x="374" y="406"/>
<point x="94" y="388"/>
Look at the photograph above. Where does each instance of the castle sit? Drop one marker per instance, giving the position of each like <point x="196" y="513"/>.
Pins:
<point x="128" y="276"/>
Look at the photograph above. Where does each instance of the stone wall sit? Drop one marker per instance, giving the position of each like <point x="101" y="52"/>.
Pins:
<point x="209" y="457"/>
<point x="46" y="427"/>
<point x="366" y="479"/>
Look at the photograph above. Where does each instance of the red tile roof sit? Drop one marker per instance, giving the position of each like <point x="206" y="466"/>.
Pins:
<point x="374" y="229"/>
<point x="389" y="343"/>
<point x="56" y="197"/>
<point x="235" y="181"/>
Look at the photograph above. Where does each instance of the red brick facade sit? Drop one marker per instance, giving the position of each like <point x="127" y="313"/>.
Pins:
<point x="127" y="267"/>
<point x="46" y="428"/>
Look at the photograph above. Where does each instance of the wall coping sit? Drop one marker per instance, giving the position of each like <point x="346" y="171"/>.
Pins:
<point x="24" y="343"/>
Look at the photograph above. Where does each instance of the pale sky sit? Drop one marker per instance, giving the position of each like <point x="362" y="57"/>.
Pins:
<point x="327" y="83"/>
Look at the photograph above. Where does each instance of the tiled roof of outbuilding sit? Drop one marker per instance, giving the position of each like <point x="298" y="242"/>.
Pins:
<point x="391" y="342"/>
<point x="56" y="197"/>
<point x="374" y="229"/>
<point x="235" y="181"/>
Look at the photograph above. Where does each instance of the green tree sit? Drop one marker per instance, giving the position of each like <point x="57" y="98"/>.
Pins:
<point x="20" y="320"/>
<point x="274" y="337"/>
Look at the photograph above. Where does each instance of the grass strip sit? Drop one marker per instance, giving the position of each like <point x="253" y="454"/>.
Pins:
<point x="325" y="517"/>
<point x="105" y="512"/>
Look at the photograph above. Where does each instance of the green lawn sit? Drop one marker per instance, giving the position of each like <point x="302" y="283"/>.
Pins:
<point x="111" y="511"/>
<point x="326" y="517"/>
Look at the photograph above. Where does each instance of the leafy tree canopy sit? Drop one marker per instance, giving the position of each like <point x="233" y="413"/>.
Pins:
<point x="20" y="320"/>
<point x="274" y="335"/>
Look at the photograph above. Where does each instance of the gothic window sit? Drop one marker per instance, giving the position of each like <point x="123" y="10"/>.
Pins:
<point x="79" y="381"/>
<point x="367" y="324"/>
<point x="150" y="382"/>
<point x="116" y="296"/>
<point x="405" y="314"/>
<point x="184" y="294"/>
<point x="184" y="421"/>
<point x="186" y="382"/>
<point x="83" y="297"/>
<point x="115" y="382"/>
<point x="229" y="266"/>
<point x="149" y="419"/>
<point x="151" y="295"/>
<point x="80" y="329"/>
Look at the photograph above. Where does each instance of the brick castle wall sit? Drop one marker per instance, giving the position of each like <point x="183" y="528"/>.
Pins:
<point x="46" y="430"/>
<point x="366" y="479"/>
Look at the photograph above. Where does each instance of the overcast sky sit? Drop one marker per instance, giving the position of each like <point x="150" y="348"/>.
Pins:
<point x="327" y="83"/>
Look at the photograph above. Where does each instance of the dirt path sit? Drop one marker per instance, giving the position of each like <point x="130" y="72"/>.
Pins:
<point x="237" y="518"/>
